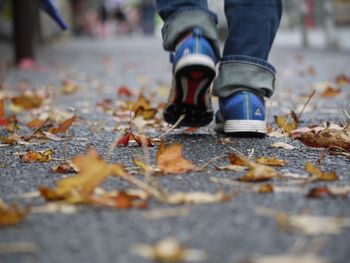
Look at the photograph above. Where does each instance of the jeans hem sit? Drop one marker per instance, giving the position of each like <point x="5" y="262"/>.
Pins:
<point x="185" y="20"/>
<point x="237" y="75"/>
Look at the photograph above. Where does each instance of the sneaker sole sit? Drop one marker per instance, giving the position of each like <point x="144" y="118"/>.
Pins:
<point x="194" y="75"/>
<point x="243" y="127"/>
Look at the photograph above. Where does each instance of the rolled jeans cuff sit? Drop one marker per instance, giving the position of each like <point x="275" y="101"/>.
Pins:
<point x="238" y="73"/>
<point x="186" y="20"/>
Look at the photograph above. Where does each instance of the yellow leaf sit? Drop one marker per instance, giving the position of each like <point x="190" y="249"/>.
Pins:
<point x="37" y="156"/>
<point x="316" y="172"/>
<point x="287" y="122"/>
<point x="11" y="214"/>
<point x="270" y="161"/>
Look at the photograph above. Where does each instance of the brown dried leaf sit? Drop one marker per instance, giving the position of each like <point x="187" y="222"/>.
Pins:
<point x="342" y="79"/>
<point x="92" y="172"/>
<point x="69" y="87"/>
<point x="170" y="160"/>
<point x="27" y="101"/>
<point x="11" y="214"/>
<point x="124" y="140"/>
<point x="37" y="156"/>
<point x="330" y="92"/>
<point x="287" y="258"/>
<point x="318" y="174"/>
<point x="64" y="126"/>
<point x="270" y="161"/>
<point x="324" y="137"/>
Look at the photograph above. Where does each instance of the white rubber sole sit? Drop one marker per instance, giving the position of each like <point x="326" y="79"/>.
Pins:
<point x="197" y="59"/>
<point x="241" y="126"/>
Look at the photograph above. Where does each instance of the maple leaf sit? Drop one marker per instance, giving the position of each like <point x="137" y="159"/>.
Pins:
<point x="142" y="107"/>
<point x="332" y="136"/>
<point x="64" y="126"/>
<point x="37" y="123"/>
<point x="37" y="156"/>
<point x="318" y="174"/>
<point x="11" y="214"/>
<point x="287" y="122"/>
<point x="170" y="160"/>
<point x="92" y="172"/>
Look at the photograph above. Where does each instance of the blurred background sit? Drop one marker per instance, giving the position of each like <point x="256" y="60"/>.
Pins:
<point x="24" y="29"/>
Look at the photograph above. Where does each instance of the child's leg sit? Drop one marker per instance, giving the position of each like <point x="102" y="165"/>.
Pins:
<point x="252" y="26"/>
<point x="190" y="34"/>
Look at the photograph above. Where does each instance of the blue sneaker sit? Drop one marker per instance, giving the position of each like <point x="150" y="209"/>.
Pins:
<point x="241" y="113"/>
<point x="194" y="69"/>
<point x="50" y="9"/>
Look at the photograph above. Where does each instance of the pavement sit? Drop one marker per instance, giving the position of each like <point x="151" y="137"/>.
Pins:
<point x="227" y="232"/>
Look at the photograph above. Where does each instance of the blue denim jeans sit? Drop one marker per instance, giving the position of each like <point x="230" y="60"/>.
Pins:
<point x="252" y="26"/>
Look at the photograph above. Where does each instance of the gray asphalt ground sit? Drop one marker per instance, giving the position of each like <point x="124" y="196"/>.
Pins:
<point x="228" y="232"/>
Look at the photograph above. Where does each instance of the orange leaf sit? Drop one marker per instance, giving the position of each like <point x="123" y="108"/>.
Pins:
<point x="36" y="123"/>
<point x="34" y="156"/>
<point x="330" y="92"/>
<point x="64" y="126"/>
<point x="170" y="160"/>
<point x="11" y="214"/>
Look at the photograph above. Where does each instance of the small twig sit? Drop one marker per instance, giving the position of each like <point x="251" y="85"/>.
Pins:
<point x="174" y="126"/>
<point x="306" y="103"/>
<point x="212" y="160"/>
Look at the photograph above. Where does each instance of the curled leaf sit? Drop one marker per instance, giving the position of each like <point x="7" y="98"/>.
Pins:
<point x="287" y="122"/>
<point x="270" y="161"/>
<point x="318" y="174"/>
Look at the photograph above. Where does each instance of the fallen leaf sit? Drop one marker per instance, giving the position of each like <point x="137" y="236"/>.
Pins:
<point x="266" y="188"/>
<point x="197" y="198"/>
<point x="11" y="214"/>
<point x="287" y="122"/>
<point x="141" y="140"/>
<point x="77" y="189"/>
<point x="69" y="87"/>
<point x="330" y="92"/>
<point x="27" y="101"/>
<point x="325" y="137"/>
<point x="170" y="160"/>
<point x="307" y="224"/>
<point x="256" y="172"/>
<point x="318" y="174"/>
<point x="64" y="126"/>
<point x="270" y="161"/>
<point x="168" y="250"/>
<point x="65" y="167"/>
<point x="120" y="200"/>
<point x="282" y="145"/>
<point x="342" y="79"/>
<point x="37" y="156"/>
<point x="125" y="91"/>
